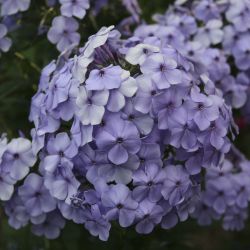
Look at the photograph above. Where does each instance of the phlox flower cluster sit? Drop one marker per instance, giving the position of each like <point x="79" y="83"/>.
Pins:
<point x="64" y="29"/>
<point x="16" y="159"/>
<point x="8" y="13"/>
<point x="124" y="131"/>
<point x="214" y="34"/>
<point x="227" y="193"/>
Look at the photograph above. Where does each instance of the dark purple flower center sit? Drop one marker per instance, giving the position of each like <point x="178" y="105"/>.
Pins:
<point x="235" y="37"/>
<point x="181" y="24"/>
<point x="170" y="37"/>
<point x="220" y="193"/>
<point x="89" y="101"/>
<point x="208" y="7"/>
<point x="190" y="52"/>
<point x="153" y="92"/>
<point x="217" y="59"/>
<point x="16" y="156"/>
<point x="170" y="105"/>
<point x="178" y="183"/>
<point x="204" y="207"/>
<point x="150" y="183"/>
<point x="247" y="52"/>
<point x="131" y="117"/>
<point x="142" y="160"/>
<point x="119" y="206"/>
<point x="200" y="106"/>
<point x="119" y="140"/>
<point x="145" y="51"/>
<point x="37" y="194"/>
<point x="101" y="73"/>
<point x="102" y="123"/>
<point x="212" y="125"/>
<point x="61" y="154"/>
<point x="162" y="67"/>
<point x="67" y="180"/>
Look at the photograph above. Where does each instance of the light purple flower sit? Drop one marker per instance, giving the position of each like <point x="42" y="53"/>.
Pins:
<point x="150" y="153"/>
<point x="60" y="149"/>
<point x="63" y="32"/>
<point x="242" y="54"/>
<point x="139" y="53"/>
<point x="185" y="23"/>
<point x="234" y="219"/>
<point x="204" y="214"/>
<point x="6" y="186"/>
<point x="119" y="138"/>
<point x="169" y="109"/>
<point x="162" y="70"/>
<point x="215" y="134"/>
<point x="105" y="78"/>
<point x="81" y="134"/>
<point x="170" y="36"/>
<point x="120" y="205"/>
<point x="206" y="10"/>
<point x="146" y="91"/>
<point x="70" y="212"/>
<point x="211" y="33"/>
<point x="17" y="213"/>
<point x="35" y="196"/>
<point x="184" y="134"/>
<point x="120" y="173"/>
<point x="242" y="187"/>
<point x="61" y="182"/>
<point x="176" y="185"/>
<point x="238" y="14"/>
<point x="148" y="183"/>
<point x="225" y="169"/>
<point x="59" y="87"/>
<point x="170" y="220"/>
<point x="149" y="214"/>
<point x="144" y="123"/>
<point x="18" y="158"/>
<point x="91" y="106"/>
<point x="202" y="109"/>
<point x="219" y="194"/>
<point x="75" y="8"/>
<point x="10" y="7"/>
<point x="96" y="224"/>
<point x="117" y="98"/>
<point x="5" y="42"/>
<point x="51" y="227"/>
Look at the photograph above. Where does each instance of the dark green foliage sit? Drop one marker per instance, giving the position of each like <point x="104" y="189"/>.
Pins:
<point x="186" y="236"/>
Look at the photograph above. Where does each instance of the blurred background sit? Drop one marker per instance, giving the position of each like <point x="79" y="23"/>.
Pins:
<point x="19" y="75"/>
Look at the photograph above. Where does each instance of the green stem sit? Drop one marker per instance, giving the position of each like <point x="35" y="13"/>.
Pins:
<point x="31" y="64"/>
